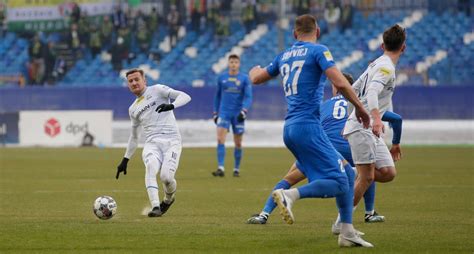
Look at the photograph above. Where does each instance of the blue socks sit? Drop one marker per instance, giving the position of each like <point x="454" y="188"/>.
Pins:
<point x="237" y="158"/>
<point x="346" y="200"/>
<point x="220" y="155"/>
<point x="369" y="198"/>
<point x="270" y="205"/>
<point x="324" y="188"/>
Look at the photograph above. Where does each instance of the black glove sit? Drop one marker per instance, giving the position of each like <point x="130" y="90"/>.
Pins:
<point x="242" y="115"/>
<point x="215" y="118"/>
<point x="122" y="167"/>
<point x="164" y="107"/>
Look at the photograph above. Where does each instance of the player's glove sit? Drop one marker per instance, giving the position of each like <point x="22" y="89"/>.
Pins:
<point x="215" y="118"/>
<point x="164" y="107"/>
<point x="242" y="115"/>
<point x="122" y="167"/>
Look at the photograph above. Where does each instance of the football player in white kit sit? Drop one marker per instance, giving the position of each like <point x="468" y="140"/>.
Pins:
<point x="152" y="109"/>
<point x="375" y="89"/>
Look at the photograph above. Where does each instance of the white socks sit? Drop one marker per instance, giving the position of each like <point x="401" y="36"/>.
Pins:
<point x="151" y="169"/>
<point x="338" y="220"/>
<point x="292" y="195"/>
<point x="170" y="190"/>
<point x="347" y="230"/>
<point x="153" y="196"/>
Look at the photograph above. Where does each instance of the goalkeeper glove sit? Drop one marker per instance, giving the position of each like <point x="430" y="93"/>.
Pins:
<point x="164" y="107"/>
<point x="215" y="118"/>
<point x="242" y="115"/>
<point x="122" y="167"/>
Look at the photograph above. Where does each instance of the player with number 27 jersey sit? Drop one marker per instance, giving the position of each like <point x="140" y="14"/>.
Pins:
<point x="302" y="67"/>
<point x="305" y="67"/>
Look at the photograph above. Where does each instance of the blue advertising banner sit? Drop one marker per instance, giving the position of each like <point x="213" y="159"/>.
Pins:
<point x="412" y="102"/>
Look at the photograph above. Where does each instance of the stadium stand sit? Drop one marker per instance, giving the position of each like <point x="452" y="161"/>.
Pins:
<point x="436" y="52"/>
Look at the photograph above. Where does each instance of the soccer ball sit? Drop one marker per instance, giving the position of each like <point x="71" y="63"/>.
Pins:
<point x="104" y="207"/>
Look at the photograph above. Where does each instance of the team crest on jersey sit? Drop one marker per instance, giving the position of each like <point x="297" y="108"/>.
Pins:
<point x="328" y="55"/>
<point x="237" y="82"/>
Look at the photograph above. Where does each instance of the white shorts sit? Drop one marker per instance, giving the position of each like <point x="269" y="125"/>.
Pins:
<point x="166" y="151"/>
<point x="366" y="148"/>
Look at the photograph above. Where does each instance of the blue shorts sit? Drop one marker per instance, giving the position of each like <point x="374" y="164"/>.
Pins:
<point x="315" y="155"/>
<point x="344" y="150"/>
<point x="225" y="122"/>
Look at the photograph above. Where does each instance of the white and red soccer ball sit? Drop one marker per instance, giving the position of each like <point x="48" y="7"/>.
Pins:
<point x="104" y="207"/>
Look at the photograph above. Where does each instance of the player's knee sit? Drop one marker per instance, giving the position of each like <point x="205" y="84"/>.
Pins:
<point x="391" y="174"/>
<point x="238" y="144"/>
<point x="221" y="140"/>
<point x="166" y="178"/>
<point x="343" y="186"/>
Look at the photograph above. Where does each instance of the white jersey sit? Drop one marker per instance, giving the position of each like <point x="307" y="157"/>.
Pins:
<point x="379" y="77"/>
<point x="157" y="127"/>
<point x="142" y="112"/>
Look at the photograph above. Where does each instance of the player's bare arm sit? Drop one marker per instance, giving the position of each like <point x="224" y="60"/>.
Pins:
<point x="259" y="75"/>
<point x="341" y="84"/>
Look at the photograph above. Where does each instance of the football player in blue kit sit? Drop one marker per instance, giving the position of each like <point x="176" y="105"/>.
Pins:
<point x="305" y="67"/>
<point x="231" y="104"/>
<point x="334" y="113"/>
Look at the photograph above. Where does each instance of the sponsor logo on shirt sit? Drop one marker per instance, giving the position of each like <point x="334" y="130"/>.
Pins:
<point x="145" y="108"/>
<point x="328" y="55"/>
<point x="385" y="71"/>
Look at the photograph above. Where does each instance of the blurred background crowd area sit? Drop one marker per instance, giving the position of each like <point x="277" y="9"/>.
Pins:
<point x="186" y="42"/>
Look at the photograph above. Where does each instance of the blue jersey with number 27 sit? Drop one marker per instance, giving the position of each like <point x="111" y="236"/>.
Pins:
<point x="302" y="67"/>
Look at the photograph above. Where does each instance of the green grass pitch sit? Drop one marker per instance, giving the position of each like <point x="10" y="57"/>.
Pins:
<point x="46" y="198"/>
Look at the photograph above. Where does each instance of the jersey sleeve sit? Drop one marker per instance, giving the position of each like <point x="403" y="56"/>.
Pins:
<point x="217" y="96"/>
<point x="395" y="121"/>
<point x="163" y="90"/>
<point x="273" y="68"/>
<point x="133" y="139"/>
<point x="324" y="58"/>
<point x="382" y="76"/>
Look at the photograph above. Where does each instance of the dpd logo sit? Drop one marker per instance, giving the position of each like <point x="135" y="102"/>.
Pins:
<point x="52" y="127"/>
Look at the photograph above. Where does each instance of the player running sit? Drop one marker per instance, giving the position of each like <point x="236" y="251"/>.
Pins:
<point x="375" y="89"/>
<point x="152" y="109"/>
<point x="334" y="114"/>
<point x="231" y="104"/>
<point x="304" y="68"/>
